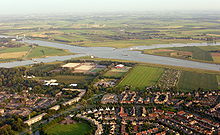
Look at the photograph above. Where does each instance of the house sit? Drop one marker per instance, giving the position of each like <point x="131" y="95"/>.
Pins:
<point x="35" y="119"/>
<point x="71" y="65"/>
<point x="109" y="98"/>
<point x="56" y="107"/>
<point x="122" y="113"/>
<point x="120" y="66"/>
<point x="73" y="85"/>
<point x="2" y="111"/>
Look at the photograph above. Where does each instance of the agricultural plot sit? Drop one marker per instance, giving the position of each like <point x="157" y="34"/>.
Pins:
<point x="40" y="51"/>
<point x="197" y="53"/>
<point x="214" y="51"/>
<point x="15" y="49"/>
<point x="72" y="129"/>
<point x="193" y="81"/>
<point x="132" y="43"/>
<point x="218" y="79"/>
<point x="142" y="76"/>
<point x="190" y="52"/>
<point x="27" y="52"/>
<point x="12" y="55"/>
<point x="116" y="73"/>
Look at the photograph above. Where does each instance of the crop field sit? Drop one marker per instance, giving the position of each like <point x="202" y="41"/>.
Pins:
<point x="190" y="52"/>
<point x="132" y="43"/>
<point x="27" y="52"/>
<point x="116" y="73"/>
<point x="142" y="76"/>
<point x="193" y="81"/>
<point x="197" y="53"/>
<point x="15" y="49"/>
<point x="12" y="55"/>
<point x="72" y="129"/>
<point x="218" y="79"/>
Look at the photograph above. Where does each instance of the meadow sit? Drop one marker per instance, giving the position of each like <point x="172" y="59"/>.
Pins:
<point x="116" y="73"/>
<point x="142" y="76"/>
<point x="41" y="51"/>
<point x="28" y="52"/>
<point x="193" y="81"/>
<point x="72" y="129"/>
<point x="197" y="53"/>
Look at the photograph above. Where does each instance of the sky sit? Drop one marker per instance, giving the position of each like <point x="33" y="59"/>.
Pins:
<point x="76" y="6"/>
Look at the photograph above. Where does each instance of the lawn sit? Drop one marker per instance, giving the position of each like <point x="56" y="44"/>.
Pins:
<point x="194" y="81"/>
<point x="72" y="129"/>
<point x="142" y="76"/>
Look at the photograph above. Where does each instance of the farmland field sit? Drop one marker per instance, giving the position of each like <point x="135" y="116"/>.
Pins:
<point x="197" y="53"/>
<point x="131" y="43"/>
<point x="40" y="51"/>
<point x="142" y="76"/>
<point x="189" y="52"/>
<point x="28" y="52"/>
<point x="116" y="73"/>
<point x="15" y="49"/>
<point x="193" y="81"/>
<point x="12" y="55"/>
<point x="72" y="129"/>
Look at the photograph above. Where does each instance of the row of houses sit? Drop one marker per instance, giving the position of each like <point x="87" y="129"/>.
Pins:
<point x="57" y="107"/>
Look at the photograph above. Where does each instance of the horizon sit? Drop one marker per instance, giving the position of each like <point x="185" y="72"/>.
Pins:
<point x="11" y="7"/>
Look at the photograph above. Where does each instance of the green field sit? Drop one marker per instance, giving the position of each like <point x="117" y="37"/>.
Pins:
<point x="72" y="129"/>
<point x="69" y="79"/>
<point x="194" y="81"/>
<point x="116" y="73"/>
<point x="28" y="52"/>
<point x="132" y="43"/>
<point x="40" y="51"/>
<point x="16" y="49"/>
<point x="198" y="53"/>
<point x="142" y="76"/>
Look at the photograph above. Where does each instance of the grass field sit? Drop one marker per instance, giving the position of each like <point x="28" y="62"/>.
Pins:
<point x="116" y="73"/>
<point x="72" y="129"/>
<point x="40" y="51"/>
<point x="189" y="52"/>
<point x="131" y="43"/>
<point x="69" y="79"/>
<point x="142" y="76"/>
<point x="27" y="52"/>
<point x="198" y="53"/>
<point x="218" y="80"/>
<point x="15" y="49"/>
<point x="193" y="81"/>
<point x="12" y="55"/>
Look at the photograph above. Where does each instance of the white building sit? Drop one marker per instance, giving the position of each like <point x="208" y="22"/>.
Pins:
<point x="35" y="119"/>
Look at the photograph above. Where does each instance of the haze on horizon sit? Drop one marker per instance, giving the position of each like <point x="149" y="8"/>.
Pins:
<point x="87" y="6"/>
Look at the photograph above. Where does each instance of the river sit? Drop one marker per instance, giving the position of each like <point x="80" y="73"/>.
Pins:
<point x="112" y="53"/>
